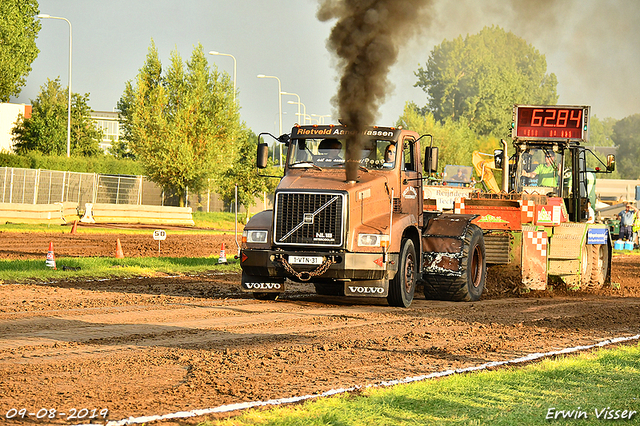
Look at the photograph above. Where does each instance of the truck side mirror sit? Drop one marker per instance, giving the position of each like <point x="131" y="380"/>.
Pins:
<point x="263" y="155"/>
<point x="498" y="156"/>
<point x="611" y="163"/>
<point x="431" y="159"/>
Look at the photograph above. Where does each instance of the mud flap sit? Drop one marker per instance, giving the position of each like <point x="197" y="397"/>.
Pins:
<point x="367" y="288"/>
<point x="442" y="244"/>
<point x="254" y="284"/>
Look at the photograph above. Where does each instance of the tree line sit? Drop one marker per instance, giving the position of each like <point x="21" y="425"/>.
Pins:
<point x="182" y="125"/>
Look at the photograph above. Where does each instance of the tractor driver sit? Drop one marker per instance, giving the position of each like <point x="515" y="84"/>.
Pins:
<point x="547" y="173"/>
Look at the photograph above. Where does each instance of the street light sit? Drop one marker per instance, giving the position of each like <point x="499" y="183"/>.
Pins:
<point x="291" y="102"/>
<point x="279" y="107"/>
<point x="213" y="52"/>
<point x="45" y="16"/>
<point x="304" y="116"/>
<point x="279" y="97"/>
<point x="320" y="117"/>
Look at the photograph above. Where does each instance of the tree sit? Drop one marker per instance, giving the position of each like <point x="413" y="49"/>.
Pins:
<point x="480" y="77"/>
<point x="245" y="175"/>
<point x="19" y="29"/>
<point x="600" y="132"/>
<point x="454" y="139"/>
<point x="183" y="125"/>
<point x="626" y="136"/>
<point x="46" y="130"/>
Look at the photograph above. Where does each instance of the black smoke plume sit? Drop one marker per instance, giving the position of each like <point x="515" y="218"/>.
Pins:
<point x="366" y="40"/>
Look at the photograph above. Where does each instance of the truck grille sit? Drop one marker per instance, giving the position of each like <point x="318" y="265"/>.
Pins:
<point x="309" y="218"/>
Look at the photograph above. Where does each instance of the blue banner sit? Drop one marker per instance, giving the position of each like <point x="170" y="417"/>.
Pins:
<point x="597" y="235"/>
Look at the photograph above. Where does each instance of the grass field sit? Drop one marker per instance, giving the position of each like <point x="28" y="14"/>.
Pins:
<point x="591" y="388"/>
<point x="106" y="267"/>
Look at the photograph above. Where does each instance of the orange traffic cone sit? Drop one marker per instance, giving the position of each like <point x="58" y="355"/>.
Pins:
<point x="119" y="252"/>
<point x="74" y="228"/>
<point x="223" y="255"/>
<point x="51" y="259"/>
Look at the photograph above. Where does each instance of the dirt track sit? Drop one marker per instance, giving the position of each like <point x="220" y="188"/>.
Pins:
<point x="160" y="345"/>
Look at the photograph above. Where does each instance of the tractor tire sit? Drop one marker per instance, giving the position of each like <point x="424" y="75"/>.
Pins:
<point x="599" y="262"/>
<point x="586" y="266"/>
<point x="469" y="286"/>
<point x="403" y="286"/>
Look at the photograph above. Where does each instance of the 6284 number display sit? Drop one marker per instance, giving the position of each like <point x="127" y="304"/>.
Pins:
<point x="550" y="122"/>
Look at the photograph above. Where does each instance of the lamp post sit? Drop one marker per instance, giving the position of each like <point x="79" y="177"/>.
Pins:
<point x="213" y="52"/>
<point x="304" y="115"/>
<point x="291" y="102"/>
<point x="279" y="108"/>
<point x="45" y="16"/>
<point x="320" y="117"/>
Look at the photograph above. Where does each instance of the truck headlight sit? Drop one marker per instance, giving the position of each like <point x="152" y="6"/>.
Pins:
<point x="255" y="236"/>
<point x="373" y="240"/>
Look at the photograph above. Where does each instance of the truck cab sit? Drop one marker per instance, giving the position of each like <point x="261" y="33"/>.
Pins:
<point x="358" y="234"/>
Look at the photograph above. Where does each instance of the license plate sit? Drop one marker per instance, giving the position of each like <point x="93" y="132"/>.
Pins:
<point x="305" y="260"/>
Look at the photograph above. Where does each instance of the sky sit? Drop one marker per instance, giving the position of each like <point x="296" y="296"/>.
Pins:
<point x="593" y="47"/>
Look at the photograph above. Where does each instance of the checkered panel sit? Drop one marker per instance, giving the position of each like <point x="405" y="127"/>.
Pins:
<point x="539" y="240"/>
<point x="528" y="211"/>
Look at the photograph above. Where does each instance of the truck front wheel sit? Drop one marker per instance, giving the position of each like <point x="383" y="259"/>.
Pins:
<point x="403" y="285"/>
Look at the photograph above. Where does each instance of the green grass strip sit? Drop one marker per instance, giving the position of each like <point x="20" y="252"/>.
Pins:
<point x="591" y="388"/>
<point x="21" y="271"/>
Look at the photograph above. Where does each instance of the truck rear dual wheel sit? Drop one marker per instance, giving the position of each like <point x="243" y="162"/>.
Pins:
<point x="403" y="286"/>
<point x="470" y="285"/>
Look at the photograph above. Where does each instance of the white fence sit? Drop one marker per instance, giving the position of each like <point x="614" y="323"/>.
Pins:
<point x="36" y="186"/>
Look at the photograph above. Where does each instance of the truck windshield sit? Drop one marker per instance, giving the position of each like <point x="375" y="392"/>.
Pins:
<point x="376" y="154"/>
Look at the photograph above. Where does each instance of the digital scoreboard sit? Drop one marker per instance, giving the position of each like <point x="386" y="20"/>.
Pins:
<point x="553" y="122"/>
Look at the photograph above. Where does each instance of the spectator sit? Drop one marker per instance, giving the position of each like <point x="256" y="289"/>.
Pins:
<point x="627" y="217"/>
<point x="636" y="230"/>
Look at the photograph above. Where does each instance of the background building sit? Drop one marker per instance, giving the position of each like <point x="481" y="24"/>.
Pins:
<point x="109" y="123"/>
<point x="9" y="114"/>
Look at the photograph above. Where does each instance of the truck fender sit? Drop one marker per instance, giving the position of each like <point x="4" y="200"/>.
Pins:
<point x="402" y="224"/>
<point x="261" y="220"/>
<point x="442" y="243"/>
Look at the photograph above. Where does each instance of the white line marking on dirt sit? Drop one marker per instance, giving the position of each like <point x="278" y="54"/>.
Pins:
<point x="280" y="401"/>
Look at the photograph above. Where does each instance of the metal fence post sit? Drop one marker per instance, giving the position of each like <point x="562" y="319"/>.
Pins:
<point x="4" y="184"/>
<point x="64" y="179"/>
<point x="11" y="188"/>
<point x="24" y="183"/>
<point x="94" y="194"/>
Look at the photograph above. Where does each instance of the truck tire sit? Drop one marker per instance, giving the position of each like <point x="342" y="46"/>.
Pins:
<point x="266" y="296"/>
<point x="329" y="289"/>
<point x="403" y="286"/>
<point x="469" y="286"/>
<point x="599" y="261"/>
